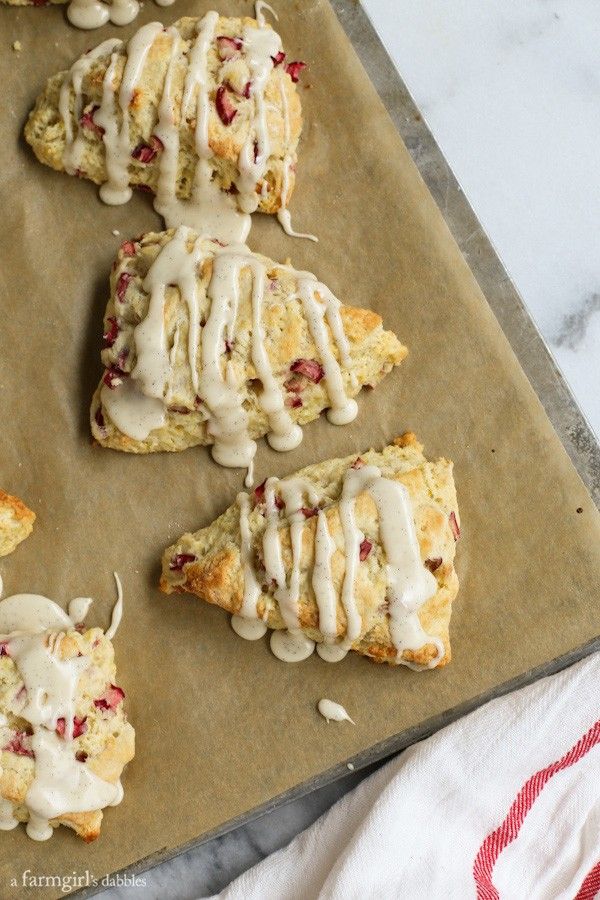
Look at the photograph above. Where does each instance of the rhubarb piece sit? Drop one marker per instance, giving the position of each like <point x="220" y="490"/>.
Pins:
<point x="294" y="70"/>
<point x="225" y="108"/>
<point x="87" y="121"/>
<point x="259" y="492"/>
<point x="79" y="727"/>
<point x="113" y="377"/>
<point x="128" y="248"/>
<point x="112" y="331"/>
<point x="112" y="697"/>
<point x="122" y="284"/>
<point x="146" y="153"/>
<point x="310" y="368"/>
<point x="454" y="525"/>
<point x="229" y="47"/>
<point x="180" y="560"/>
<point x="365" y="549"/>
<point x="19" y="745"/>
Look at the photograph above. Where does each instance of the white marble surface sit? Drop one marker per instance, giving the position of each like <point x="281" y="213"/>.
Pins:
<point x="511" y="92"/>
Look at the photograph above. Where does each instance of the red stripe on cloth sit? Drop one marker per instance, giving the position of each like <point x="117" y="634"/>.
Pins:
<point x="591" y="884"/>
<point x="495" y="842"/>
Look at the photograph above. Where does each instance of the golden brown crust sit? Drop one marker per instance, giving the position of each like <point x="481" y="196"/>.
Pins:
<point x="45" y="130"/>
<point x="16" y="522"/>
<point x="215" y="574"/>
<point x="106" y="745"/>
<point x="373" y="351"/>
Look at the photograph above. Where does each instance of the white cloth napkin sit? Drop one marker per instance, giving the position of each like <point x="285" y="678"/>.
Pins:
<point x="504" y="803"/>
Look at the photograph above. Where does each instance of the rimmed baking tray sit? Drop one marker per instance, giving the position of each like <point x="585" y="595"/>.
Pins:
<point x="225" y="731"/>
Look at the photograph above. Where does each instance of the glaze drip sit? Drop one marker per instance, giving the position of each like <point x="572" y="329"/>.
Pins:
<point x="88" y="14"/>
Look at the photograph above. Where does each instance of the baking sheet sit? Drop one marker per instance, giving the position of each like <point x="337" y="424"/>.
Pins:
<point x="223" y="727"/>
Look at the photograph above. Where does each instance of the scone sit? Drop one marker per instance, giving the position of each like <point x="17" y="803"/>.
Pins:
<point x="16" y="522"/>
<point x="60" y="758"/>
<point x="204" y="114"/>
<point x="208" y="343"/>
<point x="354" y="554"/>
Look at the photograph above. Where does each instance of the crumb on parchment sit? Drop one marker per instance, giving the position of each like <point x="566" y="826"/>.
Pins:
<point x="17" y="46"/>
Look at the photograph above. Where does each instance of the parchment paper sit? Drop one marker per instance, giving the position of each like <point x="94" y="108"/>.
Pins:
<point x="222" y="726"/>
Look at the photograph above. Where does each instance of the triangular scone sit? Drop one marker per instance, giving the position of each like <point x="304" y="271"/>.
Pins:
<point x="268" y="349"/>
<point x="95" y="749"/>
<point x="352" y="553"/>
<point x="204" y="108"/>
<point x="16" y="522"/>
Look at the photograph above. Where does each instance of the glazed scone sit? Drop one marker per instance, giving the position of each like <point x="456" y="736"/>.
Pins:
<point x="16" y="522"/>
<point x="101" y="740"/>
<point x="354" y="554"/>
<point x="204" y="111"/>
<point x="208" y="343"/>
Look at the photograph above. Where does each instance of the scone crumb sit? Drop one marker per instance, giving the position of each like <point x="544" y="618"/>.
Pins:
<point x="116" y="232"/>
<point x="17" y="46"/>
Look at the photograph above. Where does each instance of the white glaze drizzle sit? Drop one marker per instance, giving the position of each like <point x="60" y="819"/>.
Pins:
<point x="284" y="435"/>
<point x="260" y="45"/>
<point x="7" y="816"/>
<point x="332" y="653"/>
<point x="89" y="14"/>
<point x="320" y="305"/>
<point x="50" y="681"/>
<point x="283" y="214"/>
<point x="249" y="629"/>
<point x="322" y="579"/>
<point x="291" y="647"/>
<point x="211" y="210"/>
<point x="34" y="628"/>
<point x="74" y="141"/>
<point x="117" y="612"/>
<point x="78" y="609"/>
<point x="116" y="190"/>
<point x="355" y="481"/>
<point x="251" y="594"/>
<point x="132" y="412"/>
<point x="259" y="15"/>
<point x="31" y="612"/>
<point x="228" y="423"/>
<point x="409" y="582"/>
<point x="333" y="712"/>
<point x="61" y="785"/>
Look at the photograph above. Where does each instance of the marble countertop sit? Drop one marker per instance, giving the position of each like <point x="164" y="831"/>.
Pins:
<point x="511" y="94"/>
